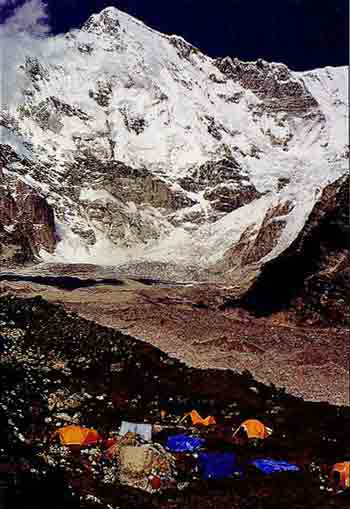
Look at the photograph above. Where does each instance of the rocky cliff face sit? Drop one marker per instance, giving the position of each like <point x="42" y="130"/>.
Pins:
<point x="154" y="155"/>
<point x="274" y="84"/>
<point x="27" y="223"/>
<point x="309" y="282"/>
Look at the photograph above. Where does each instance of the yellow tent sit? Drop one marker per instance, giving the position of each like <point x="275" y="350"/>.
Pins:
<point x="197" y="419"/>
<point x="343" y="471"/>
<point x="254" y="429"/>
<point x="76" y="435"/>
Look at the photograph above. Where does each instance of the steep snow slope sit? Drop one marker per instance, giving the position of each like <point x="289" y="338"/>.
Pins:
<point x="151" y="152"/>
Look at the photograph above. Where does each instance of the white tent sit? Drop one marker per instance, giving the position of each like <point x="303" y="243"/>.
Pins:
<point x="144" y="430"/>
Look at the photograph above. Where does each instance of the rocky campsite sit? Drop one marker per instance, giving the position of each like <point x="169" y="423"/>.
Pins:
<point x="174" y="277"/>
<point x="58" y="369"/>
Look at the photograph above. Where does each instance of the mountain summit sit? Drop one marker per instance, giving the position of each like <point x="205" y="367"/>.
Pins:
<point x="106" y="22"/>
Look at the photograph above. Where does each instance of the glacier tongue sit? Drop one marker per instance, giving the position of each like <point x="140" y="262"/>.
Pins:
<point x="151" y="151"/>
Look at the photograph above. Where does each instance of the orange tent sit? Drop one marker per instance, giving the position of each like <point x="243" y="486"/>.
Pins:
<point x="197" y="419"/>
<point x="255" y="429"/>
<point x="343" y="470"/>
<point x="76" y="435"/>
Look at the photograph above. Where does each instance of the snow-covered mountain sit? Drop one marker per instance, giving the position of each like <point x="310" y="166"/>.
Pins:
<point x="154" y="155"/>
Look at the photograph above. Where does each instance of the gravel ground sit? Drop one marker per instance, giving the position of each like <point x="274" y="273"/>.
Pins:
<point x="58" y="368"/>
<point x="187" y="323"/>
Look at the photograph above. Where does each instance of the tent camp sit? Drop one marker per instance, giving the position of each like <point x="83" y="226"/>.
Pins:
<point x="341" y="474"/>
<point x="198" y="420"/>
<point x="254" y="429"/>
<point x="77" y="435"/>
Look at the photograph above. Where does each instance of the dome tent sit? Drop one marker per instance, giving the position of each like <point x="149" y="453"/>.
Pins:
<point x="341" y="472"/>
<point x="254" y="429"/>
<point x="198" y="419"/>
<point x="77" y="435"/>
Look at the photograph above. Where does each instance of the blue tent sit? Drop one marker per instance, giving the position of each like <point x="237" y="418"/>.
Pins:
<point x="218" y="465"/>
<point x="184" y="443"/>
<point x="269" y="466"/>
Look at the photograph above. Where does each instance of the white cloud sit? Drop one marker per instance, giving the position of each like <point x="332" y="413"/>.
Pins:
<point x="31" y="18"/>
<point x="21" y="34"/>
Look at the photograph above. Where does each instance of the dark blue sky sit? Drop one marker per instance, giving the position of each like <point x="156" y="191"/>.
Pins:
<point x="304" y="34"/>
